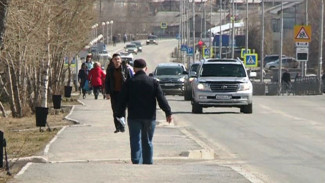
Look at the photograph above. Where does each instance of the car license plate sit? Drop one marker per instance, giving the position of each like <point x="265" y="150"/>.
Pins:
<point x="169" y="84"/>
<point x="223" y="97"/>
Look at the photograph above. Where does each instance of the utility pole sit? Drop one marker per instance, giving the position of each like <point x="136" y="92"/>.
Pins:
<point x="304" y="64"/>
<point x="193" y="31"/>
<point x="281" y="46"/>
<point x="220" y="33"/>
<point x="262" y="44"/>
<point x="210" y="39"/>
<point x="246" y="41"/>
<point x="321" y="41"/>
<point x="233" y="30"/>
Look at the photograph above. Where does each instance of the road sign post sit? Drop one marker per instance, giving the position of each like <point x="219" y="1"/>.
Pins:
<point x="243" y="52"/>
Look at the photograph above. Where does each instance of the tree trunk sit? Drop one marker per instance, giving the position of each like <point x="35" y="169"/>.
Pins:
<point x="3" y="14"/>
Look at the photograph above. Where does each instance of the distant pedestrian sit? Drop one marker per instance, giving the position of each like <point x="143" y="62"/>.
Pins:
<point x="89" y="62"/>
<point x="125" y="38"/>
<point x="83" y="78"/>
<point x="116" y="75"/>
<point x="96" y="77"/>
<point x="114" y="40"/>
<point x="140" y="95"/>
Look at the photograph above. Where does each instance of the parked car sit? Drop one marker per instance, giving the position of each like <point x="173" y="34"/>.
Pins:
<point x="171" y="77"/>
<point x="287" y="62"/>
<point x="138" y="44"/>
<point x="271" y="58"/>
<point x="152" y="39"/>
<point x="131" y="48"/>
<point x="222" y="83"/>
<point x="188" y="80"/>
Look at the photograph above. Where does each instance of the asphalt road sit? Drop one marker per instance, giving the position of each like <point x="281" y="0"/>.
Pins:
<point x="282" y="141"/>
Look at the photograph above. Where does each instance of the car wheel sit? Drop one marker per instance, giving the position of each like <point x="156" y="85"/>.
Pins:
<point x="247" y="109"/>
<point x="196" y="108"/>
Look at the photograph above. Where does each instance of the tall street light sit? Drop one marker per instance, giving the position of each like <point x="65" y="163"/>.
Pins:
<point x="107" y="37"/>
<point x="103" y="32"/>
<point x="111" y="23"/>
<point x="321" y="42"/>
<point x="281" y="51"/>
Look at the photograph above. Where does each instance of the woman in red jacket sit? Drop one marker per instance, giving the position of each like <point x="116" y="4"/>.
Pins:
<point x="96" y="77"/>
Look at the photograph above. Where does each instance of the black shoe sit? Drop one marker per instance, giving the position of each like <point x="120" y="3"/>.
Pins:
<point x="116" y="131"/>
<point x="122" y="130"/>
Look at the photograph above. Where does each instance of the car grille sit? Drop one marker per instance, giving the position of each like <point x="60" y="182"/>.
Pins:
<point x="224" y="86"/>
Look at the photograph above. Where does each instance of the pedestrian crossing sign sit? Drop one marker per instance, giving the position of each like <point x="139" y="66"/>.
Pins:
<point x="206" y="52"/>
<point x="243" y="52"/>
<point x="250" y="60"/>
<point x="302" y="33"/>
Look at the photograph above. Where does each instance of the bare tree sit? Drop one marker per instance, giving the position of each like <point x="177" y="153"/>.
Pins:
<point x="39" y="35"/>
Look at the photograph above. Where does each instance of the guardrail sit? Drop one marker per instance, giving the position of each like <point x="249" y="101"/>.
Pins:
<point x="300" y="86"/>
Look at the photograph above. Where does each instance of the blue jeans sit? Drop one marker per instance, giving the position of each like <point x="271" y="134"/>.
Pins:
<point x="141" y="134"/>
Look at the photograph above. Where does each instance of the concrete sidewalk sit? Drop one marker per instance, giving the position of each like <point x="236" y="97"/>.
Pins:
<point x="91" y="152"/>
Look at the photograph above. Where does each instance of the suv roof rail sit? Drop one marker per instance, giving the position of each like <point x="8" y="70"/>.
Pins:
<point x="222" y="60"/>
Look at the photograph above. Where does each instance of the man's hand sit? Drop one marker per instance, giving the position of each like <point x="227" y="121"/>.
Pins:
<point x="108" y="96"/>
<point x="169" y="119"/>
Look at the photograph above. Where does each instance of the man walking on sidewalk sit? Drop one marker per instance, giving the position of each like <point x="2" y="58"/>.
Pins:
<point x="116" y="75"/>
<point x="140" y="94"/>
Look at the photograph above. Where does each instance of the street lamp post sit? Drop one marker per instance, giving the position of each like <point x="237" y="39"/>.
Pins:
<point x="107" y="37"/>
<point x="321" y="42"/>
<point x="103" y="32"/>
<point x="111" y="23"/>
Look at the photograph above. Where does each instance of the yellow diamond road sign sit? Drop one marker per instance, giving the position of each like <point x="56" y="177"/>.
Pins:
<point x="302" y="33"/>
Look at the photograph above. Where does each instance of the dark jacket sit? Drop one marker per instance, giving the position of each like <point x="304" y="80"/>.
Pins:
<point x="140" y="94"/>
<point x="110" y="81"/>
<point x="82" y="76"/>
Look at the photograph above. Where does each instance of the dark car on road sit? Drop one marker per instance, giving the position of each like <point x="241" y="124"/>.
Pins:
<point x="171" y="77"/>
<point x="138" y="44"/>
<point x="188" y="79"/>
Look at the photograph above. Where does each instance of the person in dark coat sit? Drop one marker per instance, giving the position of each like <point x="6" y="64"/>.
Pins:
<point x="140" y="95"/>
<point x="82" y="77"/>
<point x="116" y="75"/>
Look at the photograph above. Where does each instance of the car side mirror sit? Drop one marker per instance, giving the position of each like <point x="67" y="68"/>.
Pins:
<point x="185" y="72"/>
<point x="150" y="75"/>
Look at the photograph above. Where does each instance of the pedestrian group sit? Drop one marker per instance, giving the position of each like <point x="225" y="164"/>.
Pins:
<point x="128" y="88"/>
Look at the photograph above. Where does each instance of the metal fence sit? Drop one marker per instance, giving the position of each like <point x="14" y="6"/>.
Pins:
<point x="300" y="86"/>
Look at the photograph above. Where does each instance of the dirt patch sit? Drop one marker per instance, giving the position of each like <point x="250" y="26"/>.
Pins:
<point x="25" y="139"/>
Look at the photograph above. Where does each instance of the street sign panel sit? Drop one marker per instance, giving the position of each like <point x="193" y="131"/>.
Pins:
<point x="302" y="33"/>
<point x="250" y="60"/>
<point x="183" y="47"/>
<point x="243" y="52"/>
<point x="190" y="51"/>
<point x="206" y="52"/>
<point x="302" y="44"/>
<point x="302" y="54"/>
<point x="163" y="25"/>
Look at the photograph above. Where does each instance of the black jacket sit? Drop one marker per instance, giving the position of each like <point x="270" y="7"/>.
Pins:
<point x="140" y="94"/>
<point x="109" y="80"/>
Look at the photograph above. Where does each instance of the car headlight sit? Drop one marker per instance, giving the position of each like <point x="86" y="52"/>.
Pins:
<point x="181" y="79"/>
<point x="157" y="79"/>
<point x="203" y="87"/>
<point x="191" y="79"/>
<point x="244" y="86"/>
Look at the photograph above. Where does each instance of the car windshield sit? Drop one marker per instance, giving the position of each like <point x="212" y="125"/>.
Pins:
<point x="271" y="58"/>
<point x="137" y="43"/>
<point x="152" y="37"/>
<point x="222" y="70"/>
<point x="130" y="46"/>
<point x="194" y="67"/>
<point x="169" y="71"/>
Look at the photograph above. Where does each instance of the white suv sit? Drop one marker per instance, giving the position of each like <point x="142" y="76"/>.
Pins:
<point x="222" y="83"/>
